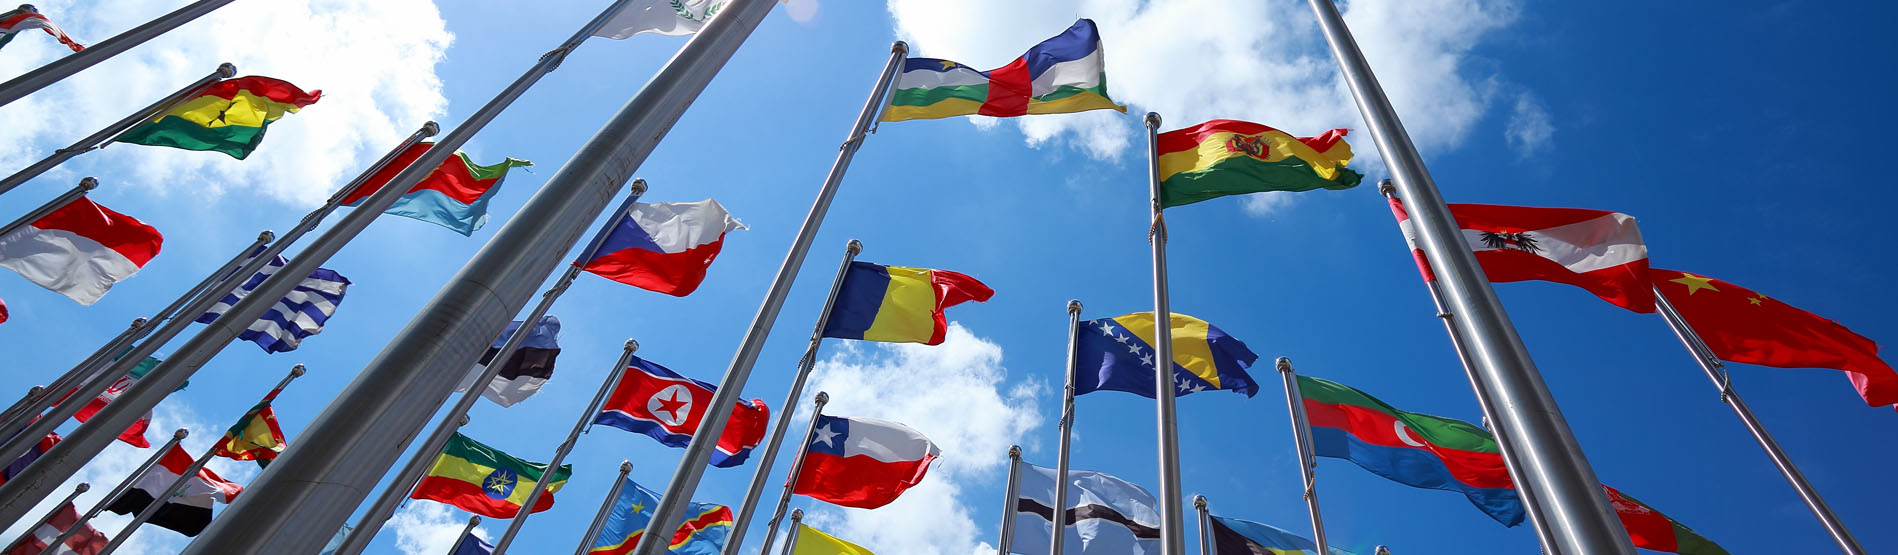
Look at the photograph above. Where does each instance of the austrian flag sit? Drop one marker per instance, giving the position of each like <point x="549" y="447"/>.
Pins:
<point x="1597" y="250"/>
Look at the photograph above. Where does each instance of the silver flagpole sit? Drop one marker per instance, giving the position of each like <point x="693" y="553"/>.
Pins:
<point x="1491" y="419"/>
<point x="64" y="67"/>
<point x="85" y="185"/>
<point x="117" y="491"/>
<point x="105" y="136"/>
<point x="742" y="519"/>
<point x="385" y="505"/>
<point x="1205" y="544"/>
<point x="560" y="453"/>
<point x="790" y="482"/>
<point x="790" y="542"/>
<point x="473" y="521"/>
<point x="50" y="514"/>
<point x="1172" y="540"/>
<point x="606" y="510"/>
<point x="1058" y="515"/>
<point x="314" y="487"/>
<point x="1010" y="494"/>
<point x="1307" y="461"/>
<point x="685" y="479"/>
<point x="95" y="434"/>
<point x="1715" y="370"/>
<point x="1554" y="468"/>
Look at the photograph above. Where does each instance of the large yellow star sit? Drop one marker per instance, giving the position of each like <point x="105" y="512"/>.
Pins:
<point x="1694" y="283"/>
<point x="946" y="64"/>
<point x="1757" y="301"/>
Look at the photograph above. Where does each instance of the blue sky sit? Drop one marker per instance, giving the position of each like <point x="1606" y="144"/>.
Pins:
<point x="1740" y="134"/>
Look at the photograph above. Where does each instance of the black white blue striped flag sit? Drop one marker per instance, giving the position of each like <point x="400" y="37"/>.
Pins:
<point x="300" y="314"/>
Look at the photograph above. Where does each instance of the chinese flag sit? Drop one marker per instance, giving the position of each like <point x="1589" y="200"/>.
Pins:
<point x="1743" y="326"/>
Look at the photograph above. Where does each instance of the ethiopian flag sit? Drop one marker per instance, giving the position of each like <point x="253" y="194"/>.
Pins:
<point x="256" y="436"/>
<point x="1229" y="157"/>
<point x="1061" y="75"/>
<point x="484" y="481"/>
<point x="229" y="116"/>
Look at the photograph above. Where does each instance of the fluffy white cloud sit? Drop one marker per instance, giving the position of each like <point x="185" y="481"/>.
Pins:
<point x="374" y="60"/>
<point x="429" y="528"/>
<point x="958" y="394"/>
<point x="1529" y="130"/>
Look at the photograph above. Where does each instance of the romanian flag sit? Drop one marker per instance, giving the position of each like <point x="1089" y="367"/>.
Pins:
<point x="229" y="116"/>
<point x="1117" y="354"/>
<point x="899" y="305"/>
<point x="1228" y="157"/>
<point x="1061" y="75"/>
<point x="484" y="481"/>
<point x="454" y="196"/>
<point x="255" y="437"/>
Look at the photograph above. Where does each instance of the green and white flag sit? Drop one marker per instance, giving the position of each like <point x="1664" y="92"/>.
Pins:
<point x="664" y="17"/>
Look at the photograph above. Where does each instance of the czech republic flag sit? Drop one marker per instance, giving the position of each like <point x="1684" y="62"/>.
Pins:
<point x="664" y="247"/>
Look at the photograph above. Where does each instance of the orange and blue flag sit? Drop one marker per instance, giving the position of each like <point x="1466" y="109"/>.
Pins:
<point x="1117" y="354"/>
<point x="703" y="532"/>
<point x="896" y="304"/>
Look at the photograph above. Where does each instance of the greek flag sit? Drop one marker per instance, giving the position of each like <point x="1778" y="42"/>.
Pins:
<point x="300" y="314"/>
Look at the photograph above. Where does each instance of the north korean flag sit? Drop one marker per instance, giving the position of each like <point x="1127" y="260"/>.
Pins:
<point x="653" y="400"/>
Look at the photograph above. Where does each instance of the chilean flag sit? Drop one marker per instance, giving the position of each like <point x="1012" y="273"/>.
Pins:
<point x="1597" y="250"/>
<point x="862" y="462"/>
<point x="80" y="250"/>
<point x="662" y="247"/>
<point x="653" y="400"/>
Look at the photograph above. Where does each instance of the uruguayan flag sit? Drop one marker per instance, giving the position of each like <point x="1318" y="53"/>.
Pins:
<point x="300" y="314"/>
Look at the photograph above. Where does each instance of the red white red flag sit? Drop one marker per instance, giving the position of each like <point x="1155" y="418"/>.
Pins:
<point x="1597" y="250"/>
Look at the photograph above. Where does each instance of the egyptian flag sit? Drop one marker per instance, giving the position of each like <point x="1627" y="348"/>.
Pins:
<point x="87" y="541"/>
<point x="862" y="462"/>
<point x="529" y="368"/>
<point x="653" y="400"/>
<point x="80" y="250"/>
<point x="896" y="304"/>
<point x="187" y="512"/>
<point x="664" y="247"/>
<point x="1597" y="250"/>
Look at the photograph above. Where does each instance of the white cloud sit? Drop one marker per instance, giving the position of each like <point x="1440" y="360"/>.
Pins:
<point x="429" y="528"/>
<point x="956" y="394"/>
<point x="374" y="60"/>
<point x="1529" y="130"/>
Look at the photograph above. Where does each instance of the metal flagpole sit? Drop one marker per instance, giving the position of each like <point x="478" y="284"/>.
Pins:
<point x="560" y="453"/>
<point x="1171" y="540"/>
<point x="685" y="479"/>
<point x="411" y="473"/>
<point x="319" y="482"/>
<point x="81" y="488"/>
<point x="1307" y="462"/>
<point x="117" y="491"/>
<point x="755" y="493"/>
<point x="606" y="510"/>
<point x="64" y="67"/>
<point x="790" y="542"/>
<point x="85" y="185"/>
<point x="1491" y="419"/>
<point x="473" y="521"/>
<point x="1205" y="544"/>
<point x="95" y="434"/>
<point x="105" y="136"/>
<point x="1554" y="469"/>
<point x="790" y="482"/>
<point x="1715" y="370"/>
<point x="1011" y="494"/>
<point x="1059" y="513"/>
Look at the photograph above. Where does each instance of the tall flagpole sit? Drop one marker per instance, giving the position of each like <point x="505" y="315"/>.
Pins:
<point x="103" y="428"/>
<point x="1172" y="540"/>
<point x="473" y="521"/>
<point x="1205" y="543"/>
<point x="790" y="542"/>
<point x="1011" y="495"/>
<point x="105" y="136"/>
<point x="124" y="486"/>
<point x="1555" y="471"/>
<point x="85" y="185"/>
<point x="81" y="488"/>
<point x="1715" y="370"/>
<point x="698" y="453"/>
<point x="606" y="509"/>
<point x="790" y="482"/>
<point x="1307" y="461"/>
<point x="560" y="453"/>
<point x="755" y="493"/>
<point x="64" y="67"/>
<point x="1060" y="509"/>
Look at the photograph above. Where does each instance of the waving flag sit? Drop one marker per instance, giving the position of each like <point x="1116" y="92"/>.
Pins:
<point x="87" y="541"/>
<point x="1106" y="515"/>
<point x="1245" y="537"/>
<point x="485" y="481"/>
<point x="1228" y="157"/>
<point x="898" y="304"/>
<point x="15" y="21"/>
<point x="670" y="17"/>
<point x="80" y="250"/>
<point x="862" y="462"/>
<point x="1652" y="530"/>
<point x="189" y="511"/>
<point x="1596" y="250"/>
<point x="134" y="434"/>
<point x="1061" y="75"/>
<point x="229" y="116"/>
<point x="811" y="541"/>
<point x="300" y="314"/>
<point x="454" y="196"/>
<point x="1117" y="354"/>
<point x="653" y="400"/>
<point x="470" y="544"/>
<point x="664" y="247"/>
<point x="530" y="367"/>
<point x="703" y="531"/>
<point x="256" y="436"/>
<point x="27" y="458"/>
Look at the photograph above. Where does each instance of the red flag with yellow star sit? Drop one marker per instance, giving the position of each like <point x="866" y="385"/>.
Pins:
<point x="1743" y="326"/>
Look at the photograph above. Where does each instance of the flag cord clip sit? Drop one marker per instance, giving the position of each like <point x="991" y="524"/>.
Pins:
<point x="558" y="54"/>
<point x="1158" y="228"/>
<point x="854" y="139"/>
<point x="1726" y="386"/>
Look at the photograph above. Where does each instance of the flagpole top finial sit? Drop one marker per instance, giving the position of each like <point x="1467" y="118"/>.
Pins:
<point x="1199" y="502"/>
<point x="464" y="420"/>
<point x="139" y="321"/>
<point x="227" y="70"/>
<point x="430" y="128"/>
<point x="266" y="236"/>
<point x="854" y="247"/>
<point x="625" y="466"/>
<point x="28" y="8"/>
<point x="1074" y="306"/>
<point x="823" y="398"/>
<point x="632" y="345"/>
<point x="89" y="183"/>
<point x="1014" y="452"/>
<point x="900" y="47"/>
<point x="474" y="520"/>
<point x="1386" y="187"/>
<point x="180" y="434"/>
<point x="797" y="515"/>
<point x="296" y="371"/>
<point x="82" y="487"/>
<point x="638" y="186"/>
<point x="1153" y="120"/>
<point x="1283" y="364"/>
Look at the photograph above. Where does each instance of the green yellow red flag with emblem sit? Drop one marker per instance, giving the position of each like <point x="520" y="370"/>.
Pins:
<point x="1229" y="157"/>
<point x="256" y="436"/>
<point x="485" y="481"/>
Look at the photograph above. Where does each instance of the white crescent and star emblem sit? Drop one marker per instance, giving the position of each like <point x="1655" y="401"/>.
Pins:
<point x="671" y="405"/>
<point x="1403" y="434"/>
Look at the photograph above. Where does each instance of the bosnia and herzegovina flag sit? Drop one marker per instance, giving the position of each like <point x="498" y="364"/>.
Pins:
<point x="1229" y="157"/>
<point x="229" y="116"/>
<point x="454" y="196"/>
<point x="1117" y="354"/>
<point x="897" y="304"/>
<point x="256" y="436"/>
<point x="485" y="481"/>
<point x="1061" y="75"/>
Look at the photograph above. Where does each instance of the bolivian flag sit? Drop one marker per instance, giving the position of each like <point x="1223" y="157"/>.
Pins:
<point x="1062" y="74"/>
<point x="484" y="481"/>
<point x="899" y="305"/>
<point x="256" y="437"/>
<point x="229" y="116"/>
<point x="1229" y="157"/>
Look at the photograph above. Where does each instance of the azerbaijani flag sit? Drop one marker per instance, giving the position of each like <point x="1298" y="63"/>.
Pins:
<point x="256" y="436"/>
<point x="1117" y="354"/>
<point x="12" y="22"/>
<point x="1061" y="75"/>
<point x="899" y="305"/>
<point x="228" y="117"/>
<point x="1230" y="157"/>
<point x="454" y="196"/>
<point x="80" y="250"/>
<point x="485" y="481"/>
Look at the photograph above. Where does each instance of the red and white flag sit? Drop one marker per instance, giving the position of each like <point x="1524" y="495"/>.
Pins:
<point x="80" y="250"/>
<point x="13" y="22"/>
<point x="862" y="462"/>
<point x="1597" y="250"/>
<point x="88" y="541"/>
<point x="186" y="512"/>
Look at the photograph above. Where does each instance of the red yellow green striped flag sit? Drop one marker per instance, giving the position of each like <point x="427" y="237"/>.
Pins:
<point x="229" y="116"/>
<point x="1229" y="157"/>
<point x="485" y="481"/>
<point x="256" y="436"/>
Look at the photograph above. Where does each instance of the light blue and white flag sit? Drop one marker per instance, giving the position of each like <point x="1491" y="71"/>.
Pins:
<point x="300" y="314"/>
<point x="1104" y="514"/>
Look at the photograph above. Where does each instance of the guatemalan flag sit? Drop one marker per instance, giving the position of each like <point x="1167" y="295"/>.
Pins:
<point x="653" y="400"/>
<point x="80" y="250"/>
<point x="454" y="196"/>
<point x="862" y="462"/>
<point x="664" y="247"/>
<point x="301" y="313"/>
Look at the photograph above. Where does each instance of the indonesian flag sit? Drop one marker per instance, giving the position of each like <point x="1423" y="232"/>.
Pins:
<point x="80" y="250"/>
<point x="13" y="22"/>
<point x="862" y="462"/>
<point x="88" y="541"/>
<point x="1597" y="250"/>
<point x="187" y="512"/>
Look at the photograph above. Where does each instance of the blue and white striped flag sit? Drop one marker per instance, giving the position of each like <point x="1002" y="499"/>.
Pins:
<point x="300" y="314"/>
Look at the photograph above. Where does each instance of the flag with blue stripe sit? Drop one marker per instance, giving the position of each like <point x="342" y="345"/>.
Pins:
<point x="300" y="314"/>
